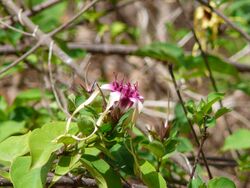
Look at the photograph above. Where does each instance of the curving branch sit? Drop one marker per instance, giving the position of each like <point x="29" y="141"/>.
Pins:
<point x="107" y="49"/>
<point x="42" y="38"/>
<point x="177" y="90"/>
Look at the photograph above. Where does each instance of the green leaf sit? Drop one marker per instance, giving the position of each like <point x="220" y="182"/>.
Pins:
<point x="163" y="52"/>
<point x="211" y="99"/>
<point x="66" y="139"/>
<point x="199" y="118"/>
<point x="238" y="140"/>
<point x="24" y="177"/>
<point x="48" y="21"/>
<point x="28" y="95"/>
<point x="216" y="65"/>
<point x="190" y="105"/>
<point x="125" y="119"/>
<point x="210" y="121"/>
<point x="111" y="177"/>
<point x="221" y="66"/>
<point x="244" y="163"/>
<point x="3" y="103"/>
<point x="104" y="149"/>
<point x="9" y="128"/>
<point x="86" y="124"/>
<point x="101" y="167"/>
<point x="170" y="145"/>
<point x="242" y="85"/>
<point x="4" y="174"/>
<point x="13" y="147"/>
<point x="72" y="52"/>
<point x="196" y="183"/>
<point x="65" y="165"/>
<point x="100" y="180"/>
<point x="42" y="142"/>
<point x="92" y="15"/>
<point x="184" y="145"/>
<point x="180" y="122"/>
<point x="214" y="97"/>
<point x="156" y="147"/>
<point x="123" y="158"/>
<point x="117" y="28"/>
<point x="221" y="182"/>
<point x="221" y="112"/>
<point x="151" y="177"/>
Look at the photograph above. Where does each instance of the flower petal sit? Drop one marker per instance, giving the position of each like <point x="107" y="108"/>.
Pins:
<point x="107" y="87"/>
<point x="113" y="97"/>
<point x="140" y="106"/>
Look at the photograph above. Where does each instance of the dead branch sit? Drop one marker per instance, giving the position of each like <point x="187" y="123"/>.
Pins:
<point x="42" y="38"/>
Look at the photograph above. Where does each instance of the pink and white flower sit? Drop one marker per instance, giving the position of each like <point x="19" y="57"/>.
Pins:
<point x="124" y="95"/>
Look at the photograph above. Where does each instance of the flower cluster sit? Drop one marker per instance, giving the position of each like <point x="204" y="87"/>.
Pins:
<point x="125" y="95"/>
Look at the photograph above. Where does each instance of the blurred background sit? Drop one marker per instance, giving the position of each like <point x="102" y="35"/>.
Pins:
<point x="102" y="42"/>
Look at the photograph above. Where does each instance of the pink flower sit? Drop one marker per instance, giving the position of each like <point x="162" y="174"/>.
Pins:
<point x="125" y="95"/>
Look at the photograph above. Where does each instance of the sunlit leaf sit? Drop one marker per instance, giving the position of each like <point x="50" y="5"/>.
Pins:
<point x="9" y="128"/>
<point x="238" y="140"/>
<point x="65" y="165"/>
<point x="151" y="177"/>
<point x="184" y="145"/>
<point x="13" y="147"/>
<point x="117" y="28"/>
<point x="221" y="112"/>
<point x="156" y="147"/>
<point x="22" y="176"/>
<point x="221" y="182"/>
<point x="100" y="180"/>
<point x="42" y="142"/>
<point x="196" y="183"/>
<point x="163" y="52"/>
<point x="212" y="98"/>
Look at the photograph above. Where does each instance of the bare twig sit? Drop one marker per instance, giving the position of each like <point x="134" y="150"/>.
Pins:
<point x="243" y="68"/>
<point x="204" y="136"/>
<point x="185" y="39"/>
<point x="52" y="82"/>
<point x="182" y="161"/>
<point x="216" y="159"/>
<point x="105" y="48"/>
<point x="9" y="49"/>
<point x="20" y="58"/>
<point x="42" y="37"/>
<point x="103" y="97"/>
<point x="170" y="68"/>
<point x="243" y="52"/>
<point x="119" y="49"/>
<point x="15" y="29"/>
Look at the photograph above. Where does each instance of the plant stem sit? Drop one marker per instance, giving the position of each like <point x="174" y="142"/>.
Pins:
<point x="170" y="68"/>
<point x="205" y="58"/>
<point x="204" y="136"/>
